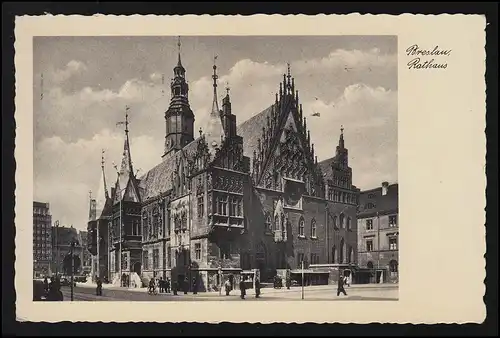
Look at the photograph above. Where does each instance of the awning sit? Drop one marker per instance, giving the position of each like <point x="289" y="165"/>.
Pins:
<point x="307" y="271"/>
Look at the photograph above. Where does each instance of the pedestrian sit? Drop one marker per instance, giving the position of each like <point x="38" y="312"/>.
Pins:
<point x="151" y="286"/>
<point x="99" y="287"/>
<point x="346" y="281"/>
<point x="186" y="285"/>
<point x="288" y="282"/>
<point x="242" y="288"/>
<point x="195" y="285"/>
<point x="167" y="285"/>
<point x="45" y="285"/>
<point x="257" y="287"/>
<point x="227" y="286"/>
<point x="175" y="285"/>
<point x="340" y="287"/>
<point x="161" y="285"/>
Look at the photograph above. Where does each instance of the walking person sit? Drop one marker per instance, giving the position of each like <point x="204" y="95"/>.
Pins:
<point x="195" y="286"/>
<point x="186" y="285"/>
<point x="175" y="286"/>
<point x="98" y="290"/>
<point x="167" y="285"/>
<point x="340" y="286"/>
<point x="161" y="285"/>
<point x="227" y="286"/>
<point x="288" y="282"/>
<point x="242" y="288"/>
<point x="257" y="287"/>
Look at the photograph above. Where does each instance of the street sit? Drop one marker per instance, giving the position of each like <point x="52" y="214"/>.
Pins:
<point x="311" y="293"/>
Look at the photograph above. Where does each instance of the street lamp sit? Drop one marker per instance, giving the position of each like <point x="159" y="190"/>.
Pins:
<point x="72" y="247"/>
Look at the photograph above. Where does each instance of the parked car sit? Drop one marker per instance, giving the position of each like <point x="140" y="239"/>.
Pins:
<point x="80" y="279"/>
<point x="66" y="281"/>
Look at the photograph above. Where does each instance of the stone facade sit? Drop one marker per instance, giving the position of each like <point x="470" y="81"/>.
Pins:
<point x="378" y="232"/>
<point x="234" y="199"/>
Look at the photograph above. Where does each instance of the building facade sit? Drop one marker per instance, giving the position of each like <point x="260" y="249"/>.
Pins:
<point x="378" y="232"/>
<point x="233" y="198"/>
<point x="85" y="256"/>
<point x="61" y="248"/>
<point x="42" y="239"/>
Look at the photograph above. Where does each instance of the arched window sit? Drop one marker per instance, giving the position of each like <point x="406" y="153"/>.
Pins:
<point x="369" y="265"/>
<point x="393" y="268"/>
<point x="348" y="223"/>
<point x="335" y="222"/>
<point x="269" y="225"/>
<point x="334" y="254"/>
<point x="276" y="222"/>
<point x="341" y="221"/>
<point x="145" y="224"/>
<point x="342" y="251"/>
<point x="313" y="228"/>
<point x="301" y="227"/>
<point x="350" y="255"/>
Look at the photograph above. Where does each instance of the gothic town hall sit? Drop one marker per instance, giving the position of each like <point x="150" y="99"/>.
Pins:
<point x="227" y="199"/>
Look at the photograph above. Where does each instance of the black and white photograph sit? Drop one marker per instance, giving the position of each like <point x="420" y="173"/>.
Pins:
<point x="250" y="169"/>
<point x="215" y="168"/>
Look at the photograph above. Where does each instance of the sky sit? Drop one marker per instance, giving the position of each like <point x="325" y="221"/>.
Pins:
<point x="83" y="84"/>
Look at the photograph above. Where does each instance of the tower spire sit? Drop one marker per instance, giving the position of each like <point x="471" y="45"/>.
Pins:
<point x="104" y="175"/>
<point x="215" y="105"/>
<point x="341" y="140"/>
<point x="179" y="63"/>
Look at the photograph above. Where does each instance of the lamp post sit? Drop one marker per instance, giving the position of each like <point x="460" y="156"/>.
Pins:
<point x="378" y="247"/>
<point x="57" y="247"/>
<point x="72" y="247"/>
<point x="302" y="279"/>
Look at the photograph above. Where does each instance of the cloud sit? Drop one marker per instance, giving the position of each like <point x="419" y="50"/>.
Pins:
<point x="72" y="68"/>
<point x="65" y="172"/>
<point x="71" y="127"/>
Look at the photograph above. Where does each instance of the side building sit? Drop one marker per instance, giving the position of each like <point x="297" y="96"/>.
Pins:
<point x="378" y="231"/>
<point x="42" y="239"/>
<point x="61" y="248"/>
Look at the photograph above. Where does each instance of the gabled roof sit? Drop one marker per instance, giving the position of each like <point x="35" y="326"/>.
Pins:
<point x="326" y="168"/>
<point x="251" y="131"/>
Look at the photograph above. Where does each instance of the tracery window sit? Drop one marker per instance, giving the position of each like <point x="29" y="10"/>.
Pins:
<point x="313" y="228"/>
<point x="302" y="227"/>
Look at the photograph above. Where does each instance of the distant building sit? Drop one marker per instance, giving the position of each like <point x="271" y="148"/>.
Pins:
<point x="61" y="246"/>
<point x="85" y="256"/>
<point x="42" y="239"/>
<point x="378" y="231"/>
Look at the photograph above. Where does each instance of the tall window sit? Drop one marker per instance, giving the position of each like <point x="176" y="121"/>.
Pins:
<point x="156" y="258"/>
<point x="334" y="254"/>
<point x="342" y="251"/>
<point x="369" y="224"/>
<point x="200" y="206"/>
<point x="224" y="205"/>
<point x="234" y="206"/>
<point x="341" y="221"/>
<point x="348" y="223"/>
<point x="314" y="258"/>
<point x="269" y="226"/>
<point x="393" y="221"/>
<point x="313" y="228"/>
<point x="145" y="259"/>
<point x="369" y="245"/>
<point x="335" y="222"/>
<point x="276" y="222"/>
<point x="300" y="259"/>
<point x="393" y="268"/>
<point x="301" y="227"/>
<point x="393" y="243"/>
<point x="197" y="251"/>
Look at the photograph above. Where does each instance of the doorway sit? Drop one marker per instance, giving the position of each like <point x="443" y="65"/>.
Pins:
<point x="137" y="268"/>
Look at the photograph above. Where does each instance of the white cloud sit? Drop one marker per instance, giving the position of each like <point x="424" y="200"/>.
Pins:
<point x="72" y="68"/>
<point x="66" y="172"/>
<point x="72" y="128"/>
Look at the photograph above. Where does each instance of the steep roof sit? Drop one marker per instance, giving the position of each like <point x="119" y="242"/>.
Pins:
<point x="158" y="180"/>
<point x="251" y="131"/>
<point x="326" y="168"/>
<point x="381" y="204"/>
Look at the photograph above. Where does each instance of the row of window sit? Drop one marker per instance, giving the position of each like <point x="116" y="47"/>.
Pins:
<point x="393" y="244"/>
<point x="40" y="211"/>
<point x="393" y="222"/>
<point x="229" y="206"/>
<point x="341" y="196"/>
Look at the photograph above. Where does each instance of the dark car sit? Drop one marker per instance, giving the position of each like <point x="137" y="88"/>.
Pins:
<point x="80" y="279"/>
<point x="66" y="281"/>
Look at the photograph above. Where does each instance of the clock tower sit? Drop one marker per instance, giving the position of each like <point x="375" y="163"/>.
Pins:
<point x="179" y="118"/>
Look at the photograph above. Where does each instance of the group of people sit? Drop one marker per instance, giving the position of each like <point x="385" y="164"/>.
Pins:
<point x="228" y="287"/>
<point x="160" y="285"/>
<point x="52" y="290"/>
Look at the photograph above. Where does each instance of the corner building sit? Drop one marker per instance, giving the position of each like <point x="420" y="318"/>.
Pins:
<point x="233" y="198"/>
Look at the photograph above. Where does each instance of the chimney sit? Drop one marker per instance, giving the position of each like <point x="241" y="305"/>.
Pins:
<point x="385" y="187"/>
